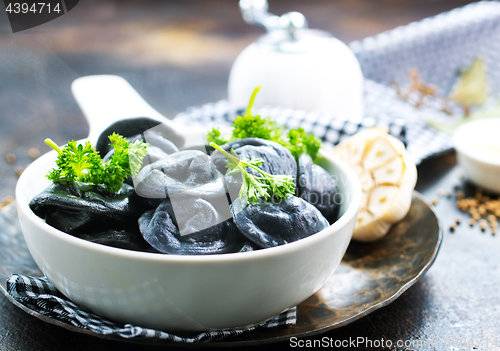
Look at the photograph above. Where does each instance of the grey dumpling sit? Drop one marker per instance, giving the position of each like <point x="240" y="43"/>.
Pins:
<point x="317" y="186"/>
<point x="194" y="214"/>
<point x="188" y="172"/>
<point x="277" y="160"/>
<point x="269" y="224"/>
<point x="210" y="232"/>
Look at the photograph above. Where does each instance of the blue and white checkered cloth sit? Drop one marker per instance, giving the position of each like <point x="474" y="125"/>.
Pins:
<point x="41" y="296"/>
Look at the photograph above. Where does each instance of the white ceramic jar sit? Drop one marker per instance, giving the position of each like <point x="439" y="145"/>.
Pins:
<point x="298" y="68"/>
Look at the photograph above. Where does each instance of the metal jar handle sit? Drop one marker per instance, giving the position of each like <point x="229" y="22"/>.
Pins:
<point x="256" y="12"/>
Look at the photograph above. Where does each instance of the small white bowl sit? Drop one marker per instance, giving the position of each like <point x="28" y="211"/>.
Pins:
<point x="478" y="151"/>
<point x="175" y="292"/>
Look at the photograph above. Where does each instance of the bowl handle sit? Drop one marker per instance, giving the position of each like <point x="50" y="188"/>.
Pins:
<point x="105" y="99"/>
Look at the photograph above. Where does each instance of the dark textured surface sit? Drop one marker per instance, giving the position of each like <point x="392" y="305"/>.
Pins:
<point x="178" y="54"/>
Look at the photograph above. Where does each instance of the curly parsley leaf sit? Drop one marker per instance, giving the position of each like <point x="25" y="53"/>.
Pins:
<point x="76" y="163"/>
<point x="248" y="126"/>
<point x="128" y="156"/>
<point x="82" y="163"/>
<point x="253" y="188"/>
<point x="300" y="142"/>
<point x="297" y="141"/>
<point x="215" y="136"/>
<point x="126" y="160"/>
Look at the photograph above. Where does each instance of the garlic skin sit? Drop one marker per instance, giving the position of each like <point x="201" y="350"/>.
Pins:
<point x="387" y="175"/>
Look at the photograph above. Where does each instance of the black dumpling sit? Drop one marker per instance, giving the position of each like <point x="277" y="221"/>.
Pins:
<point x="159" y="228"/>
<point x="277" y="160"/>
<point x="317" y="186"/>
<point x="122" y="239"/>
<point x="269" y="224"/>
<point x="131" y="127"/>
<point x="80" y="207"/>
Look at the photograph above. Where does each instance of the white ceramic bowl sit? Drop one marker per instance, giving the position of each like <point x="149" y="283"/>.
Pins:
<point x="478" y="152"/>
<point x="174" y="292"/>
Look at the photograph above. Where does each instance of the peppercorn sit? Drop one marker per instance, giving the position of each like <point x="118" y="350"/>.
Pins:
<point x="33" y="153"/>
<point x="19" y="171"/>
<point x="483" y="224"/>
<point x="10" y="158"/>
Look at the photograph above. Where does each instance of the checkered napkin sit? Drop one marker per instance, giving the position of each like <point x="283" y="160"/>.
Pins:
<point x="383" y="108"/>
<point x="41" y="296"/>
<point x="329" y="128"/>
<point x="332" y="129"/>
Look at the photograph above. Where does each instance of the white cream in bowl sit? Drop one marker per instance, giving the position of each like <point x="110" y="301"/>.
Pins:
<point x="478" y="151"/>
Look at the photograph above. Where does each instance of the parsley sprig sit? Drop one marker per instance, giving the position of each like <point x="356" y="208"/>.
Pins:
<point x="82" y="163"/>
<point x="300" y="142"/>
<point x="253" y="187"/>
<point x="297" y="141"/>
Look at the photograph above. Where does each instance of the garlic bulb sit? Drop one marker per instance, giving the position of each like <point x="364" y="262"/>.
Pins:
<point x="387" y="175"/>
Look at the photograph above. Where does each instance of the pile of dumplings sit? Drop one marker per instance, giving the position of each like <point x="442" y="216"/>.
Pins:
<point x="183" y="202"/>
